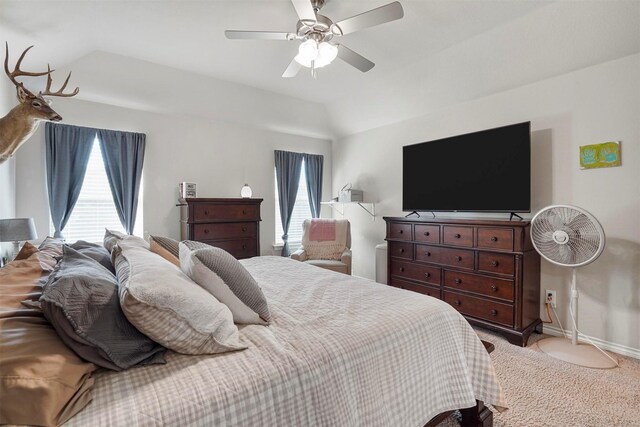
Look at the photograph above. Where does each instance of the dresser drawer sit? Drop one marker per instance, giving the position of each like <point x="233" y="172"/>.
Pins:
<point x="484" y="285"/>
<point x="422" y="273"/>
<point x="399" y="231"/>
<point x="224" y="230"/>
<point x="494" y="312"/>
<point x="431" y="291"/>
<point x="495" y="238"/>
<point x="458" y="236"/>
<point x="460" y="258"/>
<point x="239" y="248"/>
<point x="426" y="233"/>
<point x="401" y="250"/>
<point x="493" y="262"/>
<point x="205" y="212"/>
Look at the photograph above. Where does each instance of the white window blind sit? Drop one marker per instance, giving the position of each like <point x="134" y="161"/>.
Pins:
<point x="95" y="210"/>
<point x="301" y="211"/>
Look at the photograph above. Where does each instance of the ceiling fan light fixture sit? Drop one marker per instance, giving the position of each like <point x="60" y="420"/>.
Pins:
<point x="319" y="54"/>
<point x="307" y="52"/>
<point x="326" y="53"/>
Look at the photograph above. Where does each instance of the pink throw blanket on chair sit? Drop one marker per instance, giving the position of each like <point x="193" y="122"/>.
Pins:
<point x="322" y="230"/>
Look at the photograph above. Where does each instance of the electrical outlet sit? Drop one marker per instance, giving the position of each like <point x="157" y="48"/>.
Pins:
<point x="551" y="297"/>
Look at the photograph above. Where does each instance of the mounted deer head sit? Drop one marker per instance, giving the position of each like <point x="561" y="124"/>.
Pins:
<point x="23" y="120"/>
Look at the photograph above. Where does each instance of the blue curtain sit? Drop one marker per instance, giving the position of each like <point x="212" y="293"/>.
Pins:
<point x="67" y="155"/>
<point x="123" y="154"/>
<point x="288" y="168"/>
<point x="313" y="173"/>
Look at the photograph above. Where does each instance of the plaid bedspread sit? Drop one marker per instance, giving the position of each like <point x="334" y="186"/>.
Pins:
<point x="341" y="351"/>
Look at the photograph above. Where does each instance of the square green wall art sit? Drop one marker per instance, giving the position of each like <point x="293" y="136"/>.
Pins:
<point x="604" y="155"/>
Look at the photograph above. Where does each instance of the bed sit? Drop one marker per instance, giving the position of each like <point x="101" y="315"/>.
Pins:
<point x="340" y="350"/>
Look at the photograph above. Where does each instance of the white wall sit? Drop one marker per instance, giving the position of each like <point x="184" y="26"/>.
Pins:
<point x="7" y="169"/>
<point x="592" y="105"/>
<point x="220" y="157"/>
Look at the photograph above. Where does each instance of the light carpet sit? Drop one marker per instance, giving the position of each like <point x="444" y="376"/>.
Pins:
<point x="543" y="391"/>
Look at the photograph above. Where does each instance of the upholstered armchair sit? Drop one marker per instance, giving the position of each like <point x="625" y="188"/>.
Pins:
<point x="326" y="243"/>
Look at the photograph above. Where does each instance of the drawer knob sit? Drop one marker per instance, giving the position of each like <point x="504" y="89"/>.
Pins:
<point x="458" y="258"/>
<point x="494" y="239"/>
<point x="401" y="250"/>
<point x="494" y="288"/>
<point x="457" y="281"/>
<point x="401" y="231"/>
<point x="206" y="231"/>
<point x="457" y="236"/>
<point x="244" y="229"/>
<point x="494" y="263"/>
<point x="206" y="211"/>
<point x="494" y="312"/>
<point x="244" y="212"/>
<point x="427" y="253"/>
<point x="244" y="247"/>
<point x="426" y="233"/>
<point x="427" y="275"/>
<point x="401" y="269"/>
<point x="458" y="303"/>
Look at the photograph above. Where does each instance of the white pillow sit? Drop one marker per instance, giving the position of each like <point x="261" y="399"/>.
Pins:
<point x="165" y="305"/>
<point x="225" y="278"/>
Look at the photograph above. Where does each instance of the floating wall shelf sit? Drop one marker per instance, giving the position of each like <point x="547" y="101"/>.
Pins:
<point x="369" y="208"/>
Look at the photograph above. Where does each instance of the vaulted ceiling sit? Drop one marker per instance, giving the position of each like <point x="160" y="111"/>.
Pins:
<point x="439" y="47"/>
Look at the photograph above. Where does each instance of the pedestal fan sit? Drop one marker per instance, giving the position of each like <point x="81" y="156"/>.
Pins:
<point x="569" y="236"/>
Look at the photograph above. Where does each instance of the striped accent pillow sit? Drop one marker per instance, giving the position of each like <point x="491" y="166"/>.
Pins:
<point x="165" y="247"/>
<point x="225" y="278"/>
<point x="166" y="306"/>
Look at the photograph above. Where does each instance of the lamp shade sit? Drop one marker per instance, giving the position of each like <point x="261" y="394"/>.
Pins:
<point x="246" y="192"/>
<point x="320" y="54"/>
<point x="17" y="230"/>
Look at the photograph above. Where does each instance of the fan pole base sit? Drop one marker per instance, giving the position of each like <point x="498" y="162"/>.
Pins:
<point x="579" y="354"/>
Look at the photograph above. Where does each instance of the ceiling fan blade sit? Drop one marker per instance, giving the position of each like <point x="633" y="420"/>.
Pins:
<point x="354" y="59"/>
<point x="305" y="11"/>
<point x="258" y="35"/>
<point x="387" y="13"/>
<point x="292" y="70"/>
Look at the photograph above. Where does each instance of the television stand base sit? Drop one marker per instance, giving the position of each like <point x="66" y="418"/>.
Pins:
<point x="516" y="215"/>
<point x="413" y="213"/>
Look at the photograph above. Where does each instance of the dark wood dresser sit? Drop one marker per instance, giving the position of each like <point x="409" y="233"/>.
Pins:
<point x="229" y="224"/>
<point x="487" y="269"/>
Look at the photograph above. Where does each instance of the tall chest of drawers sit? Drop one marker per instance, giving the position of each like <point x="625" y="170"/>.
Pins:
<point x="230" y="224"/>
<point x="487" y="269"/>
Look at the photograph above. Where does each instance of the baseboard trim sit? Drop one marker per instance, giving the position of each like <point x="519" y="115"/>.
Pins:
<point x="606" y="345"/>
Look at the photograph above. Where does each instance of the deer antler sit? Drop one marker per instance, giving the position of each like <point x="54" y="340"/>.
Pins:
<point x="48" y="92"/>
<point x="17" y="72"/>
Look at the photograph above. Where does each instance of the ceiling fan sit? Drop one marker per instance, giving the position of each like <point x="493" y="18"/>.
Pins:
<point x="317" y="33"/>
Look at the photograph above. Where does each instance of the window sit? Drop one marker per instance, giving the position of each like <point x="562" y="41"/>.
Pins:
<point x="94" y="211"/>
<point x="301" y="211"/>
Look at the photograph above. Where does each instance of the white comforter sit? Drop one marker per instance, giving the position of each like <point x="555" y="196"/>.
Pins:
<point x="341" y="351"/>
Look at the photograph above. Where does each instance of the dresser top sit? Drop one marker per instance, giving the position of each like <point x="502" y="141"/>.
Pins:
<point x="221" y="200"/>
<point x="461" y="221"/>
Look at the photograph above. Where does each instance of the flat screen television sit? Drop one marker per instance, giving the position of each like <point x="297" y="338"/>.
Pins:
<point x="485" y="171"/>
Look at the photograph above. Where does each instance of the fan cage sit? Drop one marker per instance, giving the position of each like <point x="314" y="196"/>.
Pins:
<point x="586" y="238"/>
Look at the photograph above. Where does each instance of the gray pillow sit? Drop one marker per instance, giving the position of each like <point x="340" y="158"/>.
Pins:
<point x="111" y="238"/>
<point x="50" y="251"/>
<point x="81" y="301"/>
<point x="217" y="271"/>
<point x="96" y="252"/>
